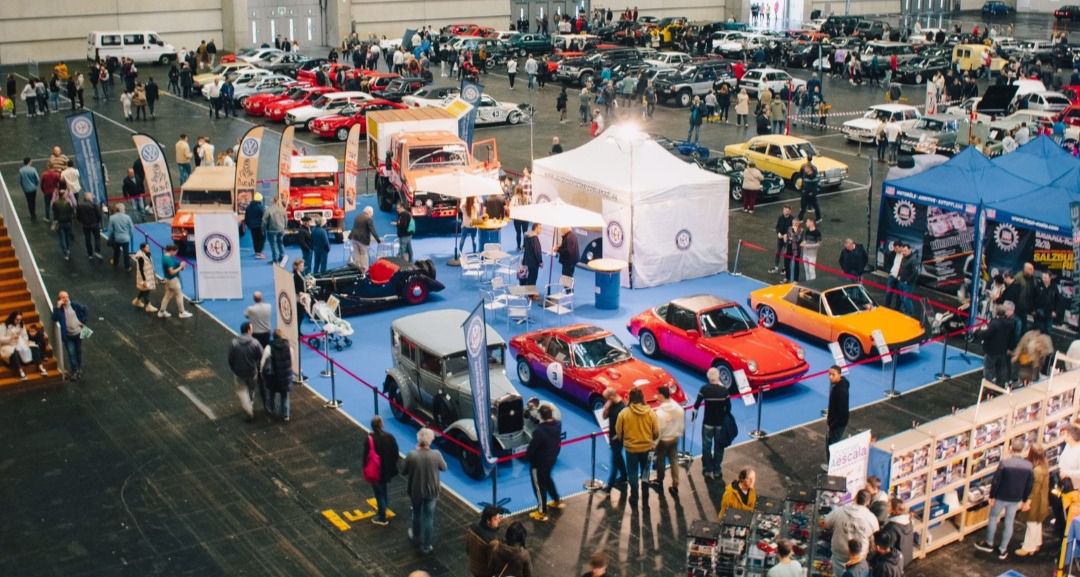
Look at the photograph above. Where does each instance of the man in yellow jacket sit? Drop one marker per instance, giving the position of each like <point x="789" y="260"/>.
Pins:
<point x="639" y="429"/>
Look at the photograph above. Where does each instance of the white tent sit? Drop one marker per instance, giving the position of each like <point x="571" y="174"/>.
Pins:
<point x="666" y="217"/>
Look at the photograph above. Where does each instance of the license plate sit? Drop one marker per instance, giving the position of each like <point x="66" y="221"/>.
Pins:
<point x="419" y="211"/>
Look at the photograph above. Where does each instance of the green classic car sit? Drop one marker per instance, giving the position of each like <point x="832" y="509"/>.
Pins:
<point x="733" y="166"/>
<point x="524" y="44"/>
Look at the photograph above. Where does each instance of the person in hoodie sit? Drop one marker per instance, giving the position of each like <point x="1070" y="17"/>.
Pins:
<point x="887" y="560"/>
<point x="638" y="428"/>
<point x="879" y="500"/>
<point x="856" y="565"/>
<point x="740" y="495"/>
<point x="481" y="540"/>
<point x="852" y="521"/>
<point x="542" y="453"/>
<point x="672" y="424"/>
<point x="899" y="526"/>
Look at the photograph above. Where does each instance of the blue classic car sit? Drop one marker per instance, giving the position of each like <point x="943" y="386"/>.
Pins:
<point x="996" y="8"/>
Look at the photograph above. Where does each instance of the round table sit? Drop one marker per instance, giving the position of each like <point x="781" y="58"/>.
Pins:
<point x="490" y="231"/>
<point x="608" y="272"/>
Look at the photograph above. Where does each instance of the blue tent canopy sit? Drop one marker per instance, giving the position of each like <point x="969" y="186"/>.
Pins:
<point x="1046" y="208"/>
<point x="969" y="179"/>
<point x="1041" y="160"/>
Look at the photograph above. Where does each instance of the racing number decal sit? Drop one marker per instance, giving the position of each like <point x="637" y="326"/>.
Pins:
<point x="555" y="375"/>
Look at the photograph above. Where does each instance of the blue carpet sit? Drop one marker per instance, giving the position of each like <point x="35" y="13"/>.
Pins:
<point x="370" y="356"/>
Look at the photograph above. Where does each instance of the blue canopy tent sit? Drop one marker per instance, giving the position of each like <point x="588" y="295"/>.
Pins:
<point x="952" y="197"/>
<point x="1041" y="161"/>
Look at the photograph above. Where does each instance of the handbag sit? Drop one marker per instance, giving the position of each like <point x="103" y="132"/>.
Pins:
<point x="522" y="271"/>
<point x="373" y="466"/>
<point x="85" y="333"/>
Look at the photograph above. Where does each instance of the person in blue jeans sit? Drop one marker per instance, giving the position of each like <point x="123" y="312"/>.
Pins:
<point x="613" y="405"/>
<point x="1010" y="490"/>
<point x="386" y="448"/>
<point x="639" y="429"/>
<point x="72" y="317"/>
<point x="697" y="111"/>
<point x="716" y="426"/>
<point x="423" y="466"/>
<point x="274" y="222"/>
<point x="320" y="246"/>
<point x="277" y="372"/>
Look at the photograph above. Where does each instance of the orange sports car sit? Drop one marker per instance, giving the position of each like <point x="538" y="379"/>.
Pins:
<point x="834" y="312"/>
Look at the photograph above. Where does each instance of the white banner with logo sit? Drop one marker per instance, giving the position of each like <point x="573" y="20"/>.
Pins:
<point x="158" y="182"/>
<point x="247" y="168"/>
<point x="287" y="310"/>
<point x="285" y="152"/>
<point x="618" y="234"/>
<point x="672" y="242"/>
<point x="217" y="256"/>
<point x="849" y="459"/>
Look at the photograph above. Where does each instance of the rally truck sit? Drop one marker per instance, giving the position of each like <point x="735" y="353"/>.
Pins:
<point x="313" y="190"/>
<point x="208" y="189"/>
<point x="405" y="146"/>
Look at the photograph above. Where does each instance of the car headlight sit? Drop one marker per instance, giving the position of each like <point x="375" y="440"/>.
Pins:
<point x="752" y="366"/>
<point x="799" y="352"/>
<point x="430" y="203"/>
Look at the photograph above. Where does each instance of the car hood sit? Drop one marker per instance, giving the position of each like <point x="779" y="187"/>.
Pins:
<point x="770" y="351"/>
<point x="863" y="123"/>
<point x="824" y="164"/>
<point x="897" y="328"/>
<point x="629" y="374"/>
<point x="500" y="383"/>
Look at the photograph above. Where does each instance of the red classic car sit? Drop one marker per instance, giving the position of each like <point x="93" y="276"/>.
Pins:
<point x="255" y="105"/>
<point x="705" y="331"/>
<point x="330" y="68"/>
<point x="277" y="110"/>
<point x="339" y="124"/>
<point x="582" y="360"/>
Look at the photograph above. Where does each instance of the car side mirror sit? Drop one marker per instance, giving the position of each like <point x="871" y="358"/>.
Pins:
<point x="692" y="333"/>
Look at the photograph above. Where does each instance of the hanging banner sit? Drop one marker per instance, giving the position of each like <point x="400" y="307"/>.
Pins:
<point x="352" y="167"/>
<point x="287" y="309"/>
<point x="470" y="93"/>
<point x="476" y="354"/>
<point x="217" y="256"/>
<point x="247" y="168"/>
<point x="850" y="458"/>
<point x="1012" y="241"/>
<point x="84" y="142"/>
<point x="158" y="181"/>
<point x="1074" y="306"/>
<point x="942" y="238"/>
<point x="618" y="235"/>
<point x="931" y="98"/>
<point x="286" y="150"/>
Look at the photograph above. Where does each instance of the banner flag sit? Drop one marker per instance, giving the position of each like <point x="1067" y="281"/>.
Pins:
<point x="352" y="167"/>
<point x="247" y="169"/>
<point x="158" y="181"/>
<point x="84" y="141"/>
<point x="287" y="310"/>
<point x="476" y="354"/>
<point x="285" y="152"/>
<point x="470" y="93"/>
<point x="217" y="255"/>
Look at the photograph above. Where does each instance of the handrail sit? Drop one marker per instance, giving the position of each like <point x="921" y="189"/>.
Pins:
<point x="31" y="272"/>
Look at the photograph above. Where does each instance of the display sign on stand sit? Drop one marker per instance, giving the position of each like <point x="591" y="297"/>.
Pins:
<point x="217" y="254"/>
<point x="744" y="387"/>
<point x="287" y="309"/>
<point x="838" y="357"/>
<point x="881" y="346"/>
<point x="849" y="459"/>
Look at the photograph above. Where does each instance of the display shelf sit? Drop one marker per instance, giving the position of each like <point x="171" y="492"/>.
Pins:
<point x="990" y="420"/>
<point x="952" y="437"/>
<point x="911" y="488"/>
<point x="986" y="459"/>
<point x="797" y="522"/>
<point x="947" y="474"/>
<point x="732" y="542"/>
<point x="946" y="531"/>
<point x="702" y="549"/>
<point x="1027" y="407"/>
<point x="1060" y="395"/>
<point x="909" y="455"/>
<point x="761" y="547"/>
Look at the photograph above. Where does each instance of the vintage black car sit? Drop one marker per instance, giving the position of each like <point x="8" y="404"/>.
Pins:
<point x="388" y="282"/>
<point x="920" y="69"/>
<point x="733" y="167"/>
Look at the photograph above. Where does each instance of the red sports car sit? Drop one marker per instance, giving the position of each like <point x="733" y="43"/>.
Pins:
<point x="705" y="331"/>
<point x="330" y="68"/>
<point x="255" y="105"/>
<point x="582" y="360"/>
<point x="339" y="124"/>
<point x="277" y="110"/>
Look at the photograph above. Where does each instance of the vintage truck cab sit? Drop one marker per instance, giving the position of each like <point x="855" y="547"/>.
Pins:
<point x="313" y="190"/>
<point x="208" y="189"/>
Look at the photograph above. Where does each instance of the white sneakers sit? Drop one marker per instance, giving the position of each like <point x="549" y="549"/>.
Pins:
<point x="166" y="314"/>
<point x="185" y="315"/>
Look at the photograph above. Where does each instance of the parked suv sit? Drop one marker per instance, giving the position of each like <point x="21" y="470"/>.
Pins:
<point x="582" y="70"/>
<point x="772" y="78"/>
<point x="430" y="378"/>
<point x="697" y="80"/>
<point x="871" y="29"/>
<point x="836" y="26"/>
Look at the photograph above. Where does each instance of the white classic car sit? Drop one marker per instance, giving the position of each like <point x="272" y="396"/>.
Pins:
<point x="865" y="129"/>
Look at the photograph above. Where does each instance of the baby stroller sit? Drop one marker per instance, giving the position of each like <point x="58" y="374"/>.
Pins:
<point x="326" y="315"/>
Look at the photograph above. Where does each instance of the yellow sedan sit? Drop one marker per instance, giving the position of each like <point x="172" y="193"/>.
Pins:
<point x="785" y="155"/>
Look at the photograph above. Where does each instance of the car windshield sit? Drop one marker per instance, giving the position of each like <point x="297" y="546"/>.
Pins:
<point x="848" y="299"/>
<point x="318" y="180"/>
<point x="930" y="124"/>
<point x="803" y="150"/>
<point x="437" y="156"/>
<point x="725" y="321"/>
<point x="206" y="197"/>
<point x="600" y="352"/>
<point x="320" y="102"/>
<point x="457" y="364"/>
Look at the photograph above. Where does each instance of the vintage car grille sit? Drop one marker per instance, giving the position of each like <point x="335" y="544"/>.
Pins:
<point x="325" y="214"/>
<point x="509" y="415"/>
<point x="835" y="174"/>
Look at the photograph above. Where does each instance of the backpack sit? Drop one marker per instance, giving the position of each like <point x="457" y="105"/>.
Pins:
<point x="412" y="226"/>
<point x="373" y="463"/>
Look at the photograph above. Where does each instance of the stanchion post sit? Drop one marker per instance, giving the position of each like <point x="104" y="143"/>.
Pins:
<point x="942" y="375"/>
<point x="593" y="484"/>
<point x="300" y="379"/>
<point x="494" y="483"/>
<point x="735" y="266"/>
<point x="891" y="393"/>
<point x="685" y="457"/>
<point x="375" y="400"/>
<point x="195" y="280"/>
<point x="758" y="432"/>
<point x="325" y="373"/>
<point x="334" y="402"/>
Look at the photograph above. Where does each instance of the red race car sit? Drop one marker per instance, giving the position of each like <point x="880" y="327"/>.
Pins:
<point x="339" y="124"/>
<point x="277" y="110"/>
<point x="255" y="105"/>
<point x="582" y="360"/>
<point x="331" y="70"/>
<point x="705" y="331"/>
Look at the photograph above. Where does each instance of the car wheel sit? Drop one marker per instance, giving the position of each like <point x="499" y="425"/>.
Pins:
<point x="851" y="347"/>
<point x="649" y="347"/>
<point x="727" y="376"/>
<point x="343" y="134"/>
<point x="918" y="79"/>
<point x="164" y="60"/>
<point x="525" y="373"/>
<point x="685" y="98"/>
<point x="308" y="124"/>
<point x="514" y="117"/>
<point x="415" y="292"/>
<point x="470" y="460"/>
<point x="767" y="315"/>
<point x="596" y="403"/>
<point x="736" y="191"/>
<point x="585" y="78"/>
<point x="397" y="405"/>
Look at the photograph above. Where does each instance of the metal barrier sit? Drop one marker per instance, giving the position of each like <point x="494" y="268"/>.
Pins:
<point x="31" y="273"/>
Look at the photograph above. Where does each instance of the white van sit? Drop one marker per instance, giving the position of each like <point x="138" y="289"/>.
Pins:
<point x="142" y="46"/>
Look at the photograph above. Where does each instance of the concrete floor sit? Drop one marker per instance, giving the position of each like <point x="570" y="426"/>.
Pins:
<point x="122" y="474"/>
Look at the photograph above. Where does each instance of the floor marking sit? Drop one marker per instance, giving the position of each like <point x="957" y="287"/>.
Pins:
<point x="198" y="403"/>
<point x="153" y="368"/>
<point x="335" y="520"/>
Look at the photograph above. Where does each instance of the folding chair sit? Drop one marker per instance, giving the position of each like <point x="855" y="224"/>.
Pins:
<point x="559" y="298"/>
<point x="496" y="296"/>
<point x="518" y="310"/>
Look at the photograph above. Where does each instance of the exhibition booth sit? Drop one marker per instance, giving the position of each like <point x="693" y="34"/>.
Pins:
<point x="666" y="217"/>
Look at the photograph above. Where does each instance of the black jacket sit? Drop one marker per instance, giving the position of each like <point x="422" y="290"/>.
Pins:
<point x="403" y="220"/>
<point x="568" y="250"/>
<point x="783" y="223"/>
<point x="244" y="356"/>
<point x="613" y="417"/>
<point x="386" y="448"/>
<point x="717" y="404"/>
<point x="996" y="336"/>
<point x="1012" y="481"/>
<point x="890" y="565"/>
<point x="839" y="408"/>
<point x="909" y="270"/>
<point x="1047" y="300"/>
<point x="853" y="262"/>
<point x="1012" y="294"/>
<point x="88" y="215"/>
<point x="363" y="230"/>
<point x="280" y="366"/>
<point x="533" y="257"/>
<point x="303" y="238"/>
<point x="544" y="446"/>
